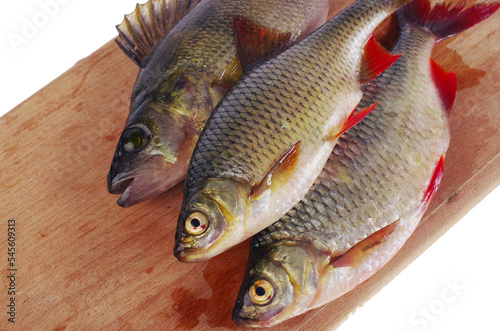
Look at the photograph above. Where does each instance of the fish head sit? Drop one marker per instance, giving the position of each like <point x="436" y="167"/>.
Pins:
<point x="156" y="145"/>
<point x="149" y="159"/>
<point x="211" y="221"/>
<point x="280" y="282"/>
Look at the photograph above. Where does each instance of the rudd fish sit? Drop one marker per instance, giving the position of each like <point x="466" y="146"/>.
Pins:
<point x="187" y="65"/>
<point x="375" y="186"/>
<point x="271" y="135"/>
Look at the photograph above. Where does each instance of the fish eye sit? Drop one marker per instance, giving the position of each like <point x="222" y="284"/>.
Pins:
<point x="135" y="138"/>
<point x="196" y="223"/>
<point x="261" y="292"/>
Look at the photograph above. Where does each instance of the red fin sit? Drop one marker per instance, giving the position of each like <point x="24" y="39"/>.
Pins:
<point x="279" y="173"/>
<point x="352" y="120"/>
<point x="375" y="60"/>
<point x="445" y="21"/>
<point x="255" y="42"/>
<point x="435" y="181"/>
<point x="356" y="254"/>
<point x="446" y="83"/>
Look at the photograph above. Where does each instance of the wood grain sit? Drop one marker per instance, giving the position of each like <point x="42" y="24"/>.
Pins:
<point x="85" y="263"/>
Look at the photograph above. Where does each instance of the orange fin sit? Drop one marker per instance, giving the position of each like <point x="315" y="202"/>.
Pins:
<point x="352" y="120"/>
<point x="446" y="83"/>
<point x="230" y="75"/>
<point x="375" y="60"/>
<point x="435" y="181"/>
<point x="356" y="254"/>
<point x="255" y="42"/>
<point x="279" y="173"/>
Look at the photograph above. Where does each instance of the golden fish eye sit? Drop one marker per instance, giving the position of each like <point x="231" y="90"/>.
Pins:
<point x="135" y="139"/>
<point x="261" y="292"/>
<point x="196" y="223"/>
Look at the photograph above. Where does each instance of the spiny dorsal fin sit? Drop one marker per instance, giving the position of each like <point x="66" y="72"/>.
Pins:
<point x="280" y="172"/>
<point x="148" y="23"/>
<point x="356" y="254"/>
<point x="255" y="42"/>
<point x="446" y="83"/>
<point x="375" y="60"/>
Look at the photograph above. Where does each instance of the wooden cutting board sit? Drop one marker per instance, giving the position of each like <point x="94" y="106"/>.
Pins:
<point x="82" y="262"/>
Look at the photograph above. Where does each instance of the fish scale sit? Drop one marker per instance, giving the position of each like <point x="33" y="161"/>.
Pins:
<point x="186" y="67"/>
<point x="270" y="135"/>
<point x="375" y="186"/>
<point x="273" y="77"/>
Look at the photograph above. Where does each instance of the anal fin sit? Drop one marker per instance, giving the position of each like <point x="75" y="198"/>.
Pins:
<point x="376" y="59"/>
<point x="255" y="42"/>
<point x="354" y="256"/>
<point x="351" y="121"/>
<point x="141" y="30"/>
<point x="280" y="172"/>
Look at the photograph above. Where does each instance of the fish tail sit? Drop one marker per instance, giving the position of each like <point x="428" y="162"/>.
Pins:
<point x="445" y="20"/>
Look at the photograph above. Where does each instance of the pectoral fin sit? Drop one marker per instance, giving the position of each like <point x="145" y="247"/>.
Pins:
<point x="280" y="172"/>
<point x="230" y="75"/>
<point x="358" y="252"/>
<point x="351" y="121"/>
<point x="148" y="23"/>
<point x="255" y="42"/>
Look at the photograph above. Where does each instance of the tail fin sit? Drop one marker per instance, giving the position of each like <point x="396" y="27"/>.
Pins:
<point x="444" y="20"/>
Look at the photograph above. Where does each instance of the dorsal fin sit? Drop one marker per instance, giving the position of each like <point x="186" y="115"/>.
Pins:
<point x="446" y="84"/>
<point x="255" y="42"/>
<point x="148" y="23"/>
<point x="375" y="60"/>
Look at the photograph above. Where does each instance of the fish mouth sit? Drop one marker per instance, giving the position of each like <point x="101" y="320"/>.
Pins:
<point x="182" y="253"/>
<point x="148" y="179"/>
<point x="185" y="252"/>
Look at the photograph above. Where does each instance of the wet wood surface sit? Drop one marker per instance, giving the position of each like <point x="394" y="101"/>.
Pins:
<point x="85" y="263"/>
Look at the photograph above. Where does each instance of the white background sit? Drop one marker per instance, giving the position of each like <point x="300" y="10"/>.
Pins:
<point x="454" y="285"/>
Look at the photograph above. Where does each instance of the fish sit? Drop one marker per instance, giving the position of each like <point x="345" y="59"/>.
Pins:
<point x="376" y="184"/>
<point x="270" y="136"/>
<point x="187" y="52"/>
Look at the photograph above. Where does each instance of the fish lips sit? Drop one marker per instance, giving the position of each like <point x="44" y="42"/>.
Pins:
<point x="146" y="180"/>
